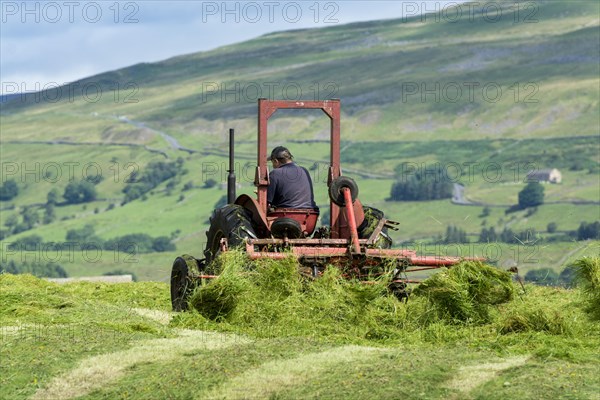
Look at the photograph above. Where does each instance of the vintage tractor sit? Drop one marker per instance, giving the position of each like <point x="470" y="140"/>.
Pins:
<point x="356" y="239"/>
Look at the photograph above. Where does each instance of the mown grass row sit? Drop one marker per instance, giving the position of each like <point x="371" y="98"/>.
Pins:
<point x="268" y="298"/>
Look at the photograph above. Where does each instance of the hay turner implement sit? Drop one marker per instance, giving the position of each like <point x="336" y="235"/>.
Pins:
<point x="356" y="240"/>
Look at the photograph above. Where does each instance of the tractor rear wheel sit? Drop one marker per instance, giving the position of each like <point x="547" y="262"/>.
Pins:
<point x="232" y="222"/>
<point x="184" y="279"/>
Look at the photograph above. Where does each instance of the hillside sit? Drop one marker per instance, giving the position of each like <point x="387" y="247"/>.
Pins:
<point x="509" y="95"/>
<point x="372" y="67"/>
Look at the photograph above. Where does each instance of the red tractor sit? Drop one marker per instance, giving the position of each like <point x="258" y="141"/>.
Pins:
<point x="356" y="239"/>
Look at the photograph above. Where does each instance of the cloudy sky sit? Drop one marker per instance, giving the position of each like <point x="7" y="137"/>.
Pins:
<point x="49" y="42"/>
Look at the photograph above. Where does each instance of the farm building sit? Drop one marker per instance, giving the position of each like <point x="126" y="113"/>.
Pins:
<point x="545" y="175"/>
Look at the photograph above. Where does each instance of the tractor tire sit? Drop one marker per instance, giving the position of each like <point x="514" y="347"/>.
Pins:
<point x="335" y="190"/>
<point x="286" y="227"/>
<point x="232" y="222"/>
<point x="184" y="279"/>
<point x="365" y="230"/>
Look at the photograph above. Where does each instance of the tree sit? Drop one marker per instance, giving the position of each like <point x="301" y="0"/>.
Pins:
<point x="11" y="221"/>
<point x="542" y="276"/>
<point x="210" y="183"/>
<point x="567" y="277"/>
<point x="488" y="235"/>
<point x="94" y="179"/>
<point x="162" y="244"/>
<point x="455" y="235"/>
<point x="508" y="236"/>
<point x="551" y="227"/>
<point x="52" y="197"/>
<point x="588" y="231"/>
<point x="485" y="212"/>
<point x="81" y="234"/>
<point x="80" y="192"/>
<point x="532" y="195"/>
<point x="431" y="184"/>
<point x="49" y="213"/>
<point x="30" y="217"/>
<point x="9" y="190"/>
<point x="528" y="236"/>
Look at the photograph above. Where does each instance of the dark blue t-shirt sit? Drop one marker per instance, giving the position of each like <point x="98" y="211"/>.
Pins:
<point x="290" y="186"/>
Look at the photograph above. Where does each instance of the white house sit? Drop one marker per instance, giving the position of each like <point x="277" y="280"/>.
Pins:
<point x="545" y="175"/>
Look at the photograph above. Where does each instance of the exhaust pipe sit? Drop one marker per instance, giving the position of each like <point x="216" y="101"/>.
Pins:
<point x="231" y="175"/>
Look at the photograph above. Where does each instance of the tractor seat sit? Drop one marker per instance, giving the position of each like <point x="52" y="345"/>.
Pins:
<point x="292" y="223"/>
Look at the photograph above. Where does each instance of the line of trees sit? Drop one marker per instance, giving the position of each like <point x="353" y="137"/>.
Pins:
<point x="455" y="234"/>
<point x="42" y="270"/>
<point x="586" y="230"/>
<point x="77" y="238"/>
<point x="507" y="236"/>
<point x="549" y="277"/>
<point x="153" y="175"/>
<point x="431" y="184"/>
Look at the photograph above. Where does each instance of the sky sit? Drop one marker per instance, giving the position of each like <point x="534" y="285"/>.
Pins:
<point x="45" y="43"/>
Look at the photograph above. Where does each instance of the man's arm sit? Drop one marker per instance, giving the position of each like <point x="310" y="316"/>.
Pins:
<point x="312" y="192"/>
<point x="271" y="188"/>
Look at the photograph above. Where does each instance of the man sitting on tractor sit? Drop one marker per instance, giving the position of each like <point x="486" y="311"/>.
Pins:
<point x="290" y="185"/>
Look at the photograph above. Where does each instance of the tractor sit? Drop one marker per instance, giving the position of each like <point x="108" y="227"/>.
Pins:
<point x="356" y="239"/>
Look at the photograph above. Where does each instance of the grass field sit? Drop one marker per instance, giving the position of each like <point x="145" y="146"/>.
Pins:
<point x="95" y="340"/>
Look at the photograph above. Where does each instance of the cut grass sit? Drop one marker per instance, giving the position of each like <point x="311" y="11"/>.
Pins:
<point x="96" y="372"/>
<point x="270" y="299"/>
<point x="466" y="291"/>
<point x="272" y="378"/>
<point x="587" y="272"/>
<point x="46" y="328"/>
<point x="382" y="349"/>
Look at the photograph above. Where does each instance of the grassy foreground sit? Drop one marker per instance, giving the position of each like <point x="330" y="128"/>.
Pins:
<point x="468" y="332"/>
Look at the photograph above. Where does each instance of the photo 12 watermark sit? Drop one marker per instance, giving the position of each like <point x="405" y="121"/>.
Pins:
<point x="54" y="12"/>
<point x="89" y="252"/>
<point x="54" y="92"/>
<point x="469" y="92"/>
<point x="472" y="11"/>
<point x="67" y="171"/>
<point x="469" y="171"/>
<point x="252" y="12"/>
<point x="248" y="92"/>
<point x="494" y="252"/>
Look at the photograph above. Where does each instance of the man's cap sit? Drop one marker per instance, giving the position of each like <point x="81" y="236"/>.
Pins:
<point x="281" y="153"/>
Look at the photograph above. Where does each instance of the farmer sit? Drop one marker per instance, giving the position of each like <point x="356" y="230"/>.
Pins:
<point x="290" y="185"/>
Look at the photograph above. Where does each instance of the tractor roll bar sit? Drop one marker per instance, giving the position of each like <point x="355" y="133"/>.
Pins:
<point x="266" y="108"/>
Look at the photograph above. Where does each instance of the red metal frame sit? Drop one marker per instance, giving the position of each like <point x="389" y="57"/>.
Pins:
<point x="351" y="220"/>
<point x="266" y="109"/>
<point x="344" y="243"/>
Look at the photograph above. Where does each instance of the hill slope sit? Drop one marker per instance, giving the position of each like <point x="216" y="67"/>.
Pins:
<point x="514" y="94"/>
<point x="546" y="65"/>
